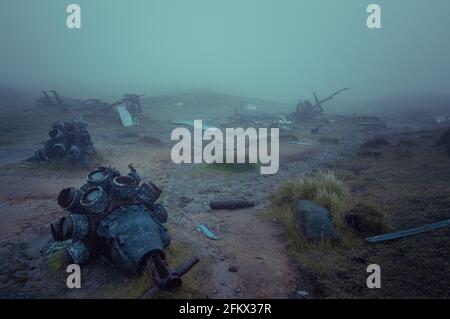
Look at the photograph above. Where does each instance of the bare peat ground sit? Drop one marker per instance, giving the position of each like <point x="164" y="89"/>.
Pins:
<point x="250" y="244"/>
<point x="409" y="182"/>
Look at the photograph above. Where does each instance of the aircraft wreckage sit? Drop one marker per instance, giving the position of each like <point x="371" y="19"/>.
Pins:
<point x="117" y="216"/>
<point x="69" y="143"/>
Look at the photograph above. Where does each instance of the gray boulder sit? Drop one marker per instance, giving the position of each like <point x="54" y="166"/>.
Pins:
<point x="314" y="221"/>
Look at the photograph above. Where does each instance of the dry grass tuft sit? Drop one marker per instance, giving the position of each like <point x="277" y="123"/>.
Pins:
<point x="320" y="259"/>
<point x="323" y="188"/>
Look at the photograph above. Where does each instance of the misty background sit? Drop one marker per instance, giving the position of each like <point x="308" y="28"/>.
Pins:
<point x="280" y="50"/>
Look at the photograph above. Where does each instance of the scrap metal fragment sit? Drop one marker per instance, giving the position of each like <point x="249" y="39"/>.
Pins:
<point x="207" y="232"/>
<point x="231" y="204"/>
<point x="408" y="232"/>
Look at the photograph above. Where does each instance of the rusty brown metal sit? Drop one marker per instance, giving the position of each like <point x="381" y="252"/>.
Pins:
<point x="231" y="204"/>
<point x="164" y="277"/>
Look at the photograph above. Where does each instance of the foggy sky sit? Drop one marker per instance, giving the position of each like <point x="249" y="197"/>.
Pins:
<point x="276" y="49"/>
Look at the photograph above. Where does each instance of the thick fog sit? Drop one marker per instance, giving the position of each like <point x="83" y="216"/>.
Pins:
<point x="274" y="49"/>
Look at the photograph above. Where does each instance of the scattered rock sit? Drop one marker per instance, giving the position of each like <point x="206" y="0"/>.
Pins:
<point x="365" y="220"/>
<point x="237" y="290"/>
<point x="233" y="269"/>
<point x="314" y="221"/>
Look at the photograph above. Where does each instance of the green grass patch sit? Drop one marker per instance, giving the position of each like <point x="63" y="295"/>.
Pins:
<point x="55" y="262"/>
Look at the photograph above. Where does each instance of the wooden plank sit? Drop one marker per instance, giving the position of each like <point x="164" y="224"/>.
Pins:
<point x="408" y="232"/>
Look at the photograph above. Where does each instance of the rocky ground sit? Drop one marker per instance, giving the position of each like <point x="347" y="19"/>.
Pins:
<point x="250" y="260"/>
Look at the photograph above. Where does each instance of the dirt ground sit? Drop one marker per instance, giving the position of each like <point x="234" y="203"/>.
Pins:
<point x="252" y="245"/>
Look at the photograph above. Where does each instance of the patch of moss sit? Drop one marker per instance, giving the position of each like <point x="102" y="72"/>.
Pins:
<point x="55" y="262"/>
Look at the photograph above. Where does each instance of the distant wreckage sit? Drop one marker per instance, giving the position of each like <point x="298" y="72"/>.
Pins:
<point x="69" y="144"/>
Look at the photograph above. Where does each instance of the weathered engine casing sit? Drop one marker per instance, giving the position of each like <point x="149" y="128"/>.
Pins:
<point x="78" y="253"/>
<point x="160" y="213"/>
<point x="76" y="227"/>
<point x="135" y="234"/>
<point x="41" y="155"/>
<point x="56" y="135"/>
<point x="148" y="193"/>
<point x="58" y="150"/>
<point x="124" y="188"/>
<point x="95" y="200"/>
<point x="101" y="176"/>
<point x="56" y="229"/>
<point x="69" y="199"/>
<point x="73" y="153"/>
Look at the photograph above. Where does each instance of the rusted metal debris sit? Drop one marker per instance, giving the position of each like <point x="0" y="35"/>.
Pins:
<point x="408" y="232"/>
<point x="202" y="228"/>
<point x="69" y="143"/>
<point x="45" y="99"/>
<point x="117" y="216"/>
<point x="306" y="109"/>
<point x="231" y="204"/>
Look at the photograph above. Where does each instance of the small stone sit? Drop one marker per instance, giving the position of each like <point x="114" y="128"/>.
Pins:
<point x="359" y="259"/>
<point x="233" y="269"/>
<point x="314" y="221"/>
<point x="237" y="290"/>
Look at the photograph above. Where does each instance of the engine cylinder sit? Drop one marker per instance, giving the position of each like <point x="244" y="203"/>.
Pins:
<point x="94" y="200"/>
<point x="124" y="187"/>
